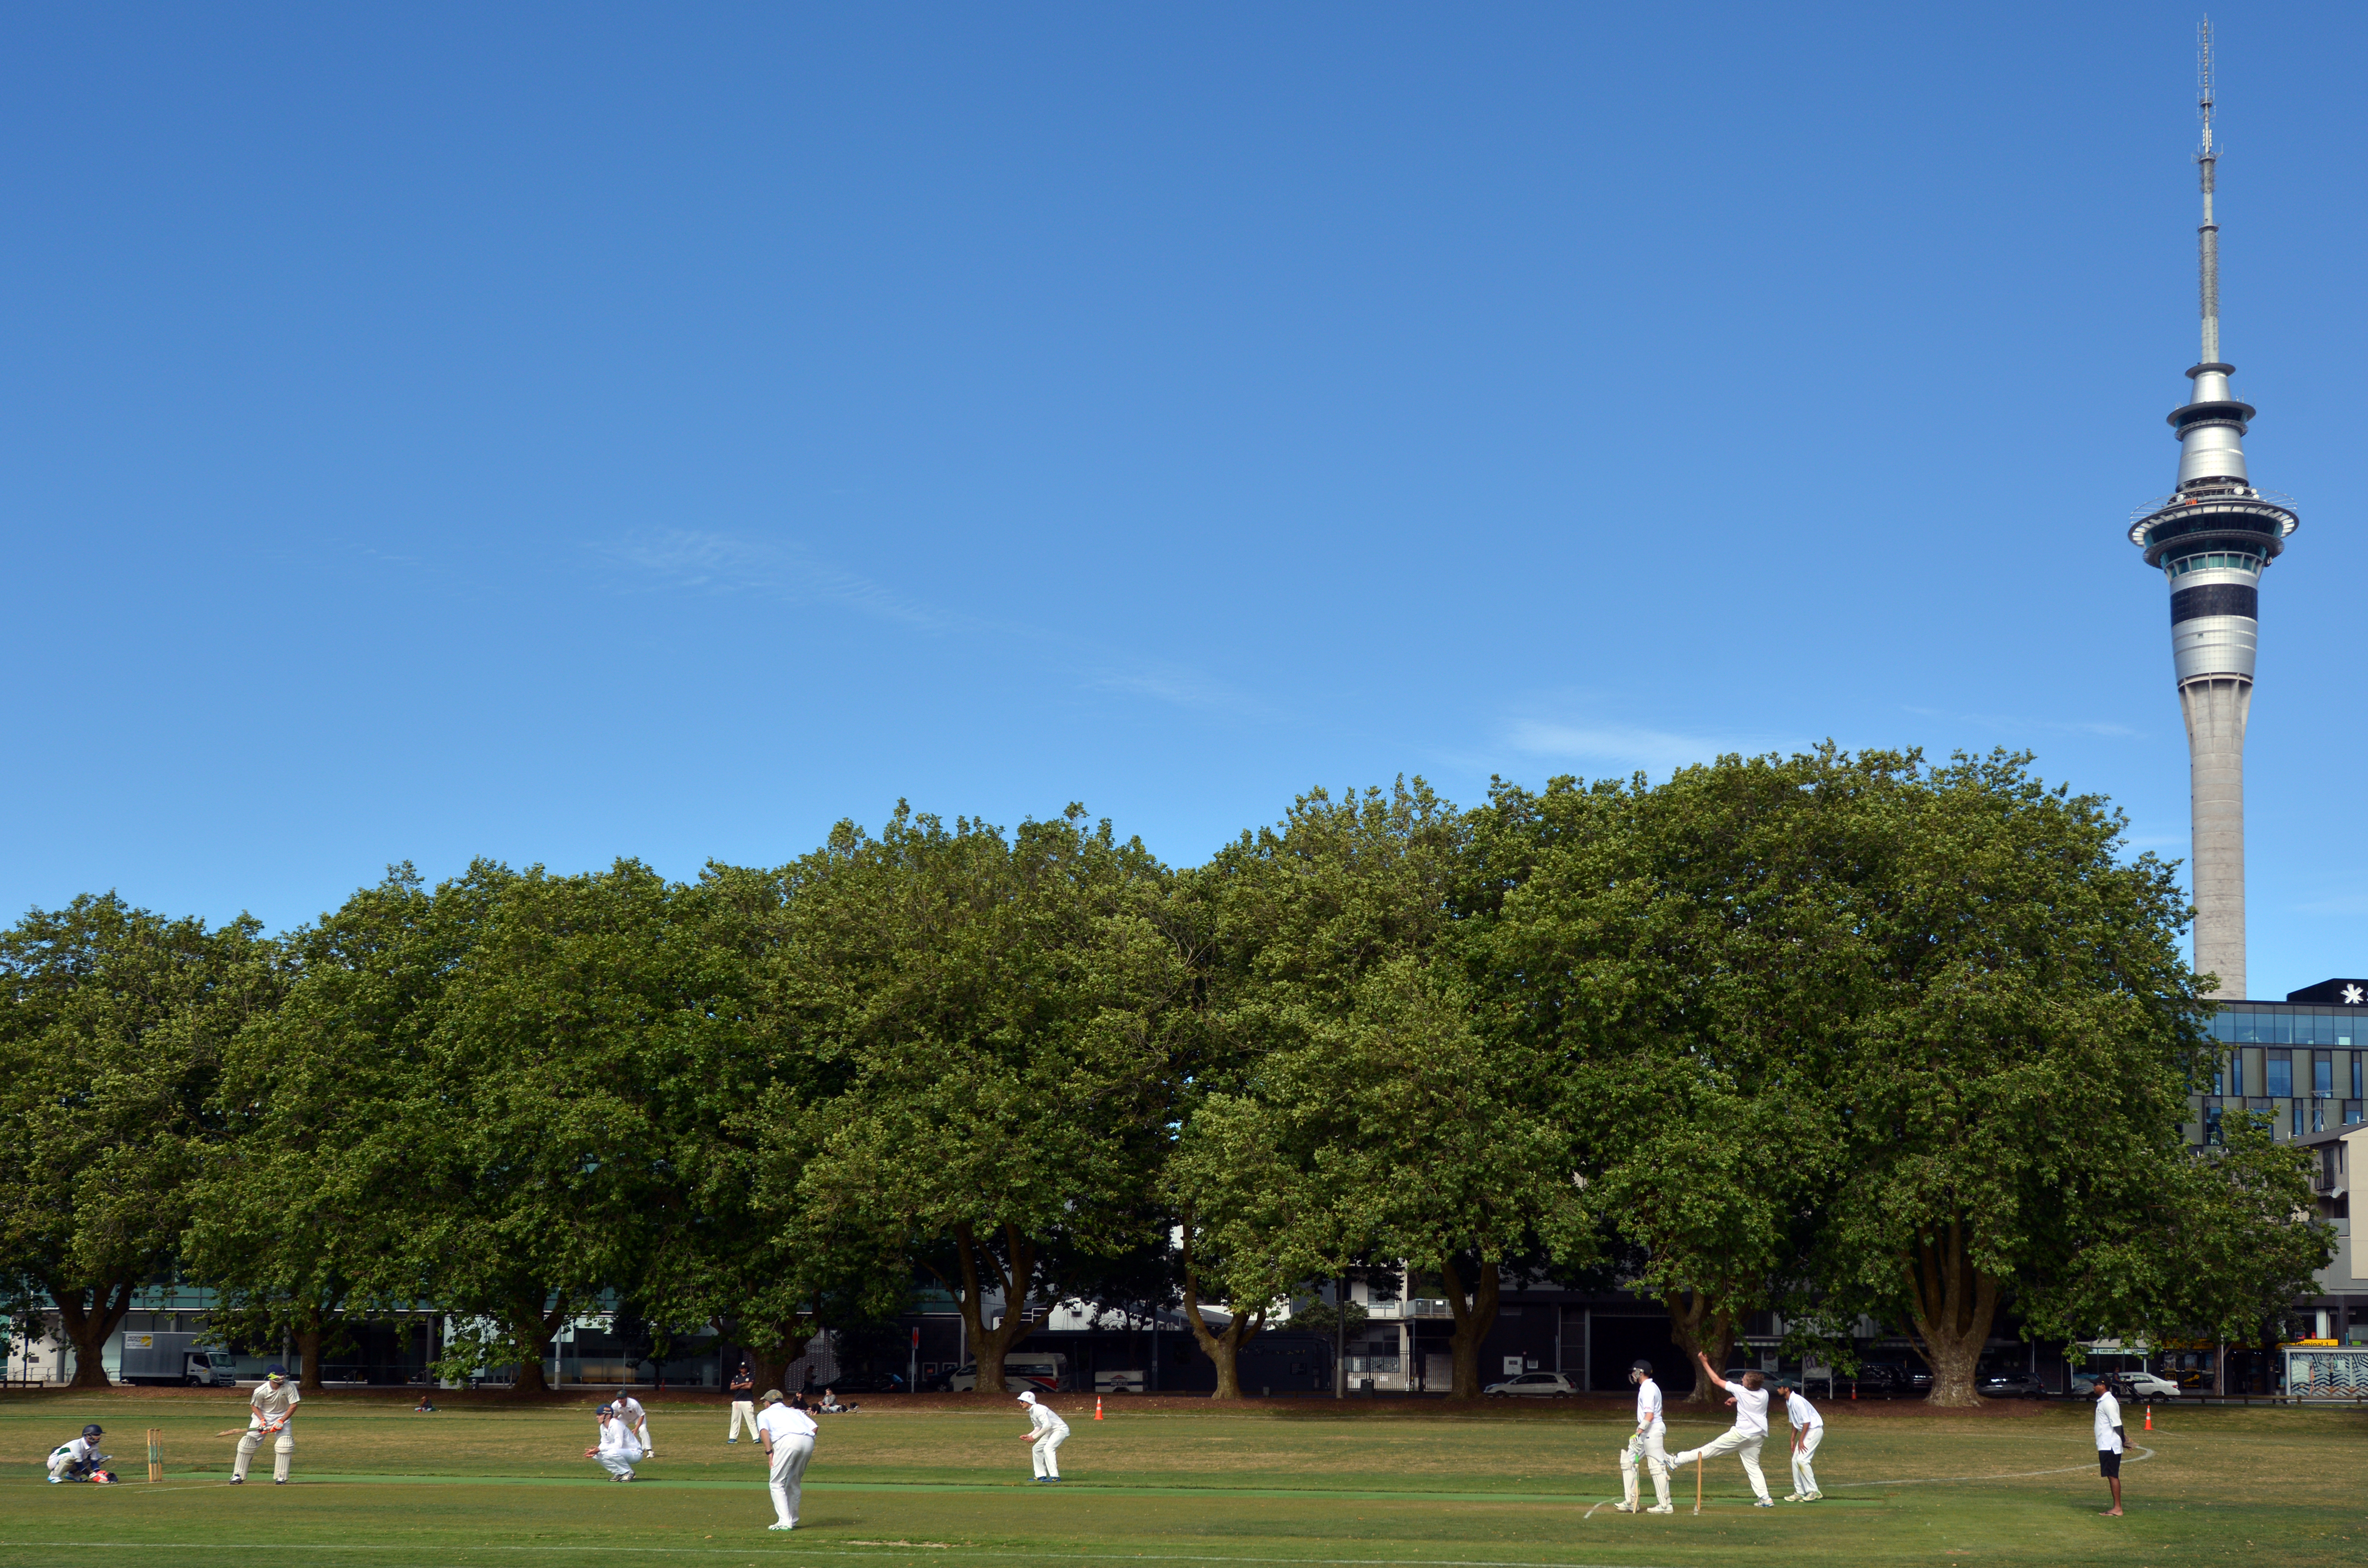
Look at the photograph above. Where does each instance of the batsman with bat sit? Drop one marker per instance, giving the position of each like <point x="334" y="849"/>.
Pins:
<point x="273" y="1406"/>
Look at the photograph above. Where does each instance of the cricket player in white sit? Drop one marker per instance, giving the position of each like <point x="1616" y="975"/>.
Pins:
<point x="618" y="1448"/>
<point x="78" y="1459"/>
<point x="1743" y="1439"/>
<point x="273" y="1406"/>
<point x="1808" y="1431"/>
<point x="1046" y="1433"/>
<point x="1647" y="1445"/>
<point x="788" y="1432"/>
<point x="743" y="1406"/>
<point x="637" y="1421"/>
<point x="2111" y="1441"/>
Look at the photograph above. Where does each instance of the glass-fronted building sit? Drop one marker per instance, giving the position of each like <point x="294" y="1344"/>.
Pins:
<point x="2302" y="1061"/>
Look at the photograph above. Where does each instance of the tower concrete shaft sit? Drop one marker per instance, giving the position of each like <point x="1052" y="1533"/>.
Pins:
<point x="2212" y="538"/>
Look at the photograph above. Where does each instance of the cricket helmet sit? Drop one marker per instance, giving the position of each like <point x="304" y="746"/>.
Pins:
<point x="1641" y="1365"/>
<point x="274" y="1371"/>
<point x="93" y="1430"/>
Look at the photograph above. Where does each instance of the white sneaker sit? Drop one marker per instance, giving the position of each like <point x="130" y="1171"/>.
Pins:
<point x="780" y="1526"/>
<point x="1763" y="1503"/>
<point x="1624" y="1508"/>
<point x="1660" y="1508"/>
<point x="1792" y="1497"/>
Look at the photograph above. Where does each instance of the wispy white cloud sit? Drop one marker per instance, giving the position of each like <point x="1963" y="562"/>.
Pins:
<point x="2015" y="723"/>
<point x="2341" y="903"/>
<point x="1654" y="751"/>
<point x="1181" y="687"/>
<point x="722" y="563"/>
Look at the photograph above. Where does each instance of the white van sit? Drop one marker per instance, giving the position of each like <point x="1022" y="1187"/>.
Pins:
<point x="1045" y="1374"/>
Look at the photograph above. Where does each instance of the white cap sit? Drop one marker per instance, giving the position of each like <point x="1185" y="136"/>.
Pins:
<point x="1027" y="1398"/>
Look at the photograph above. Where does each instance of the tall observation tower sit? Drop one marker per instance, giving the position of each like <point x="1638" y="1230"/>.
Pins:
<point x="2214" y="537"/>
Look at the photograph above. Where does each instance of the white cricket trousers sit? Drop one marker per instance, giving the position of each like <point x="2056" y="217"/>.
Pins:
<point x="789" y="1477"/>
<point x="282" y="1449"/>
<point x="1656" y="1460"/>
<point x="1805" y="1479"/>
<point x="1743" y="1446"/>
<point x="615" y="1462"/>
<point x="743" y="1410"/>
<point x="1042" y="1453"/>
<point x="61" y="1460"/>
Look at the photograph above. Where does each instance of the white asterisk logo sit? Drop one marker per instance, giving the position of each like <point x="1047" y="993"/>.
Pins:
<point x="2351" y="996"/>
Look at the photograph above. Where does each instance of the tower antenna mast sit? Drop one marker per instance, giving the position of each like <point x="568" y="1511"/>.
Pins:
<point x="2208" y="235"/>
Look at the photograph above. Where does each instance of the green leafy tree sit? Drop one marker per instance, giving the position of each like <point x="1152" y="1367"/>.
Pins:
<point x="1413" y="1133"/>
<point x="1010" y="1008"/>
<point x="2021" y="1059"/>
<point x="543" y="1173"/>
<point x="1674" y="953"/>
<point x="113" y="1022"/>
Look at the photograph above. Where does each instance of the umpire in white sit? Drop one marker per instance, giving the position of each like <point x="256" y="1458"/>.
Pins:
<point x="789" y="1436"/>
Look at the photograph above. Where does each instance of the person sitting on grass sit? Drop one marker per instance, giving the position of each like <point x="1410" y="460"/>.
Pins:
<point x="830" y="1406"/>
<point x="426" y="1405"/>
<point x="618" y="1448"/>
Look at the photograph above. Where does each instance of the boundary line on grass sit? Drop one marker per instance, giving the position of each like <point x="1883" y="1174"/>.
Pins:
<point x="458" y="1551"/>
<point x="2138" y="1454"/>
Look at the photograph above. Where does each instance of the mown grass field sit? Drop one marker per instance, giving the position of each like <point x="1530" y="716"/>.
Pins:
<point x="1288" y="1483"/>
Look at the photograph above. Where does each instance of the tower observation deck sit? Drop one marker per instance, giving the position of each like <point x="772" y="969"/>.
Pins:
<point x="2212" y="538"/>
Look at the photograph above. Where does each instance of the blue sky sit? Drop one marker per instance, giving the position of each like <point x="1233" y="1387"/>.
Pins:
<point x="559" y="433"/>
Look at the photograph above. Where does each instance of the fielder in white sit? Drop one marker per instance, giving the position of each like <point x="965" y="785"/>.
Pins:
<point x="1046" y="1433"/>
<point x="1743" y="1439"/>
<point x="618" y="1448"/>
<point x="637" y="1421"/>
<point x="789" y="1436"/>
<point x="1647" y="1445"/>
<point x="272" y="1409"/>
<point x="1808" y="1431"/>
<point x="743" y="1406"/>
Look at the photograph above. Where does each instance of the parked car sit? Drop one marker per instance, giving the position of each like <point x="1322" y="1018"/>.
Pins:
<point x="2145" y="1385"/>
<point x="1533" y="1382"/>
<point x="1881" y="1379"/>
<point x="2013" y="1385"/>
<point x="1045" y="1374"/>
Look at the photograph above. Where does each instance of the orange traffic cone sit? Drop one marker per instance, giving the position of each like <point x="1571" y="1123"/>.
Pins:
<point x="2149" y="1425"/>
<point x="1097" y="1411"/>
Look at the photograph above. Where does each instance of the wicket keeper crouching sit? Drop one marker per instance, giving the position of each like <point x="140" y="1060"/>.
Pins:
<point x="273" y="1406"/>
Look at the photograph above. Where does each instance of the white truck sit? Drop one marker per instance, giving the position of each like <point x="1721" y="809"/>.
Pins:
<point x="163" y="1355"/>
<point x="1045" y="1374"/>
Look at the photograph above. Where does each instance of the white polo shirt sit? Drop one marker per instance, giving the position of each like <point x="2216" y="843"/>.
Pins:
<point x="1751" y="1410"/>
<point x="1801" y="1413"/>
<point x="780" y="1422"/>
<point x="1648" y="1408"/>
<point x="2109" y="1417"/>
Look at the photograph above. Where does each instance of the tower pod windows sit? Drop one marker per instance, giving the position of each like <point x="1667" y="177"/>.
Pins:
<point x="2215" y="561"/>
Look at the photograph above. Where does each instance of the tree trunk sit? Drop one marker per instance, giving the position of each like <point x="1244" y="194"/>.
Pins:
<point x="1701" y="1329"/>
<point x="533" y="1329"/>
<point x="1340" y="1341"/>
<point x="308" y="1352"/>
<point x="89" y="1325"/>
<point x="1225" y="1349"/>
<point x="1474" y="1319"/>
<point x="1951" y="1305"/>
<point x="768" y="1349"/>
<point x="1019" y="1322"/>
